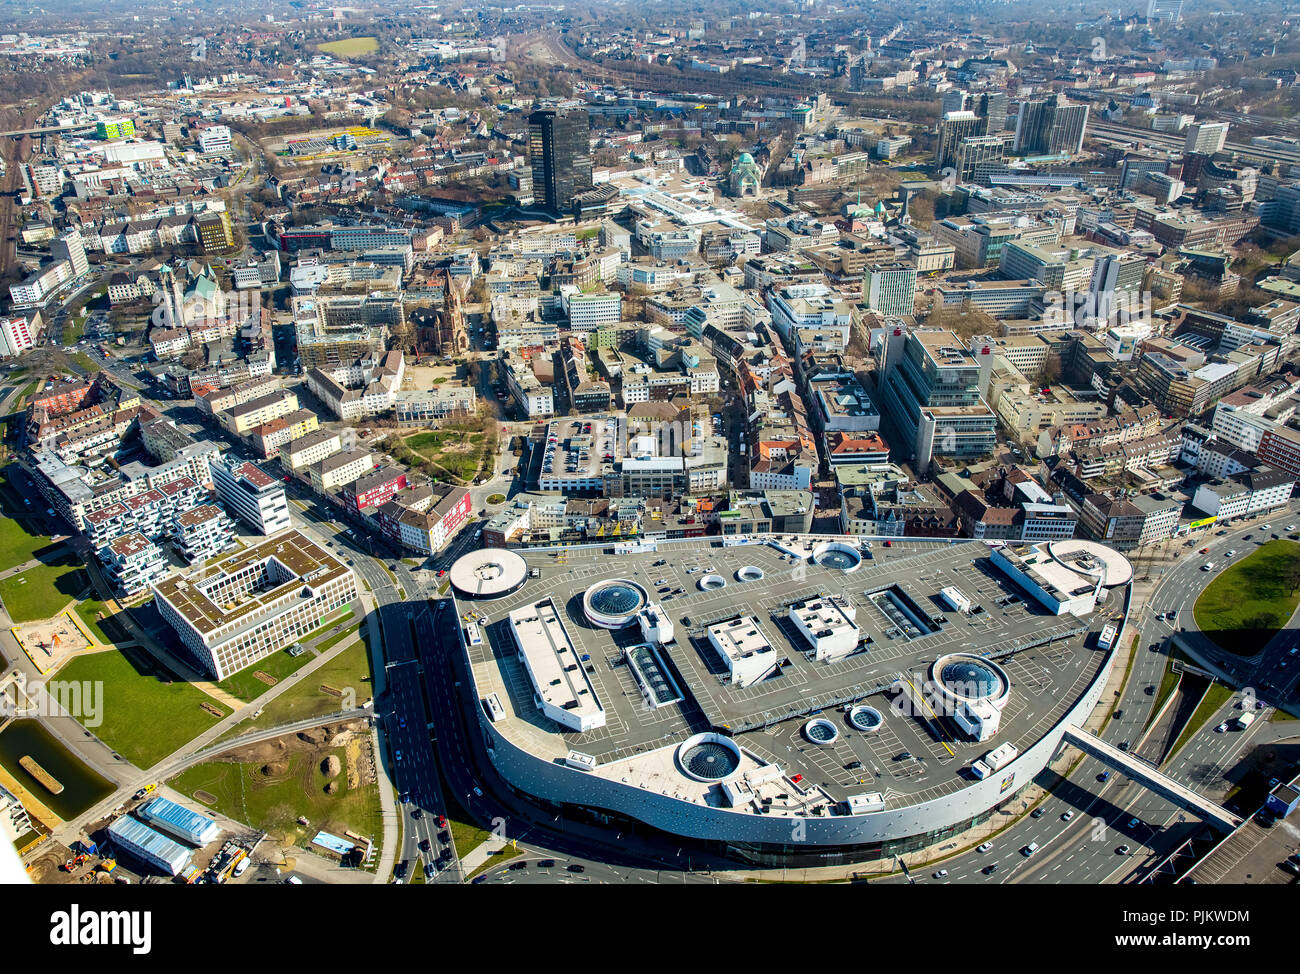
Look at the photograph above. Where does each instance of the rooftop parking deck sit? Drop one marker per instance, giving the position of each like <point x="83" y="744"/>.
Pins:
<point x="1051" y="661"/>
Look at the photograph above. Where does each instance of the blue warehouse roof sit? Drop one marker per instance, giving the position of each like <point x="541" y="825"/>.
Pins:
<point x="179" y="821"/>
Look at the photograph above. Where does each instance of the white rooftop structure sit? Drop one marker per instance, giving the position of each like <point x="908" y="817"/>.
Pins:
<point x="828" y="626"/>
<point x="744" y="649"/>
<point x="488" y="573"/>
<point x="560" y="685"/>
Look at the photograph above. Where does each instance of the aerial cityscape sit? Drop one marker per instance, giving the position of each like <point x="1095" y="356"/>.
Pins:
<point x="798" y="441"/>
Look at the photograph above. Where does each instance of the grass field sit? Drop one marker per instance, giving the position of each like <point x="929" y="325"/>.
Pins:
<point x="40" y="592"/>
<point x="350" y="46"/>
<point x="273" y="802"/>
<point x="247" y="687"/>
<point x="88" y="364"/>
<point x="106" y="631"/>
<point x="145" y="719"/>
<point x="350" y="668"/>
<point x="338" y="637"/>
<point x="17" y="543"/>
<point x="1249" y="602"/>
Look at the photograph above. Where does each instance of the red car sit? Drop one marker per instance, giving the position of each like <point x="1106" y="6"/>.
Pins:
<point x="442" y="821"/>
<point x="442" y="572"/>
<point x="889" y="544"/>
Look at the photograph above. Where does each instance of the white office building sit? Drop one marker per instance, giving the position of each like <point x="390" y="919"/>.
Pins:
<point x="214" y="138"/>
<point x="251" y="495"/>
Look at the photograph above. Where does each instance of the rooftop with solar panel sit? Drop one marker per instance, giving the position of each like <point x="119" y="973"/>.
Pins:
<point x="792" y="675"/>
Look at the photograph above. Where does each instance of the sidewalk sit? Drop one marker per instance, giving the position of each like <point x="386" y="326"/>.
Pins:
<point x="389" y="815"/>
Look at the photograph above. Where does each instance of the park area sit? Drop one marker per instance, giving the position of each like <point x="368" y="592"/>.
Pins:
<point x="326" y="775"/>
<point x="1246" y="605"/>
<point x="147" y="713"/>
<point x="457" y="453"/>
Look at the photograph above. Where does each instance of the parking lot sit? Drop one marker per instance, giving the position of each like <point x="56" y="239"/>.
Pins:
<point x="912" y="754"/>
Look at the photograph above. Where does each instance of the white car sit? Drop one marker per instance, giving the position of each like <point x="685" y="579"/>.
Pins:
<point x="1222" y="728"/>
<point x="985" y="847"/>
<point x="1230" y="552"/>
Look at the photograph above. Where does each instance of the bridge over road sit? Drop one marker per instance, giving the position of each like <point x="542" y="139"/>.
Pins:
<point x="1150" y="777"/>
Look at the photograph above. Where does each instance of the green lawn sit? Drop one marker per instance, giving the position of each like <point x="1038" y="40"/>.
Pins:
<point x="106" y="630"/>
<point x="338" y="637"/>
<point x="40" y="592"/>
<point x="350" y="668"/>
<point x="502" y="855"/>
<point x="1250" y="601"/>
<point x="27" y="393"/>
<point x="294" y="786"/>
<point x="75" y="328"/>
<point x="438" y="438"/>
<point x="247" y="687"/>
<point x="464" y="835"/>
<point x="145" y="719"/>
<point x="17" y="543"/>
<point x="85" y="361"/>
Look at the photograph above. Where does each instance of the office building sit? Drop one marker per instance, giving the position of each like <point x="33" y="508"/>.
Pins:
<point x="115" y="128"/>
<point x="1050" y="127"/>
<point x="559" y="147"/>
<point x="974" y="151"/>
<point x="254" y="602"/>
<point x="890" y="289"/>
<point x="955" y="127"/>
<point x="214" y="232"/>
<point x="1205" y="138"/>
<point x="251" y="495"/>
<point x="931" y="397"/>
<point x="70" y="247"/>
<point x="214" y="138"/>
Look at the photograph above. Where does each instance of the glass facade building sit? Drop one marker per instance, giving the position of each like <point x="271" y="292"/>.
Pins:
<point x="559" y="147"/>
